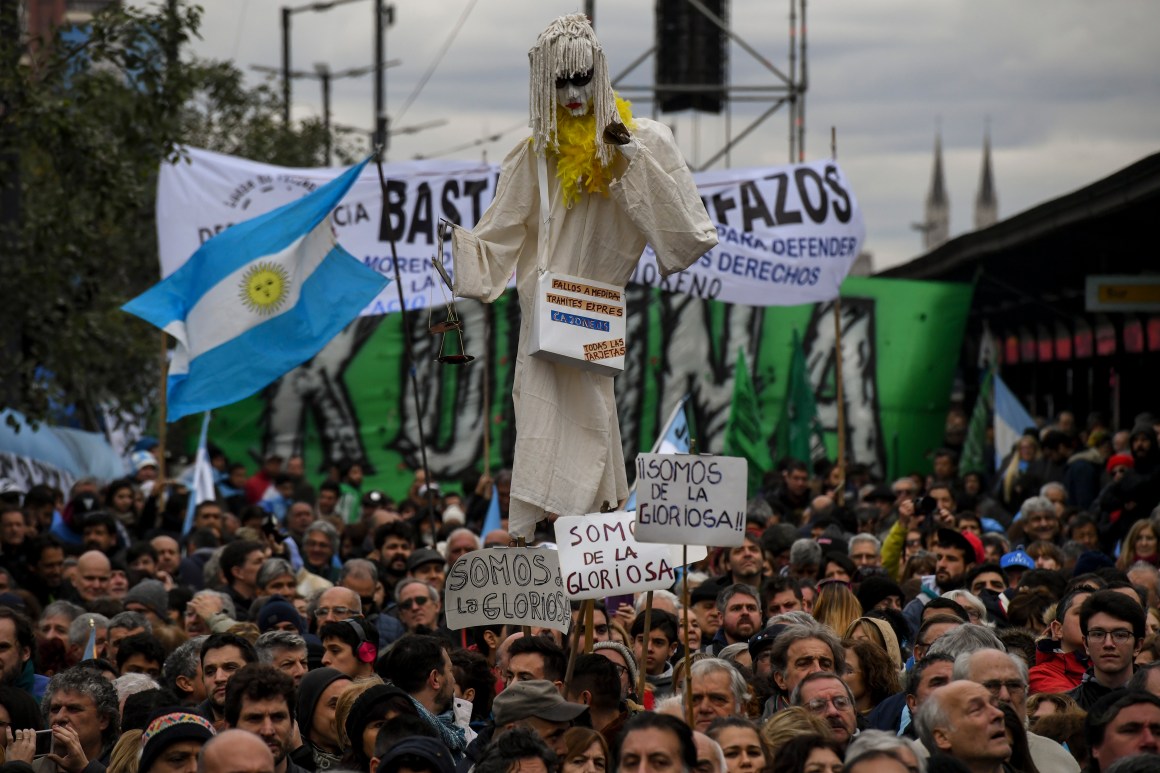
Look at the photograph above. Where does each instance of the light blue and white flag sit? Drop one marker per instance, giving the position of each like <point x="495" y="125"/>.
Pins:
<point x="91" y="645"/>
<point x="256" y="300"/>
<point x="1011" y="418"/>
<point x="674" y="439"/>
<point x="491" y="521"/>
<point x="201" y="477"/>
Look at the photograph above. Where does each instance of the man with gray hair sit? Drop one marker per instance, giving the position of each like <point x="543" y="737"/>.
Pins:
<point x="717" y="690"/>
<point x="962" y="720"/>
<point x="797" y="651"/>
<point x="181" y="672"/>
<point x="319" y="547"/>
<point x="83" y="704"/>
<point x="907" y="751"/>
<point x="1005" y="677"/>
<point x="362" y="578"/>
<point x="55" y="620"/>
<point x="965" y="638"/>
<point x="124" y="625"/>
<point x="285" y="651"/>
<point x="710" y="757"/>
<point x="865" y="550"/>
<point x="805" y="557"/>
<point x="1040" y="520"/>
<point x="824" y="694"/>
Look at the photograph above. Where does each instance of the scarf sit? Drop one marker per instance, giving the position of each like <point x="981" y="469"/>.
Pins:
<point x="324" y="760"/>
<point x="578" y="166"/>
<point x="450" y="734"/>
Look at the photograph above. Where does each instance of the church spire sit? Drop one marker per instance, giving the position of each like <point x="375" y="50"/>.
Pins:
<point x="936" y="225"/>
<point x="986" y="203"/>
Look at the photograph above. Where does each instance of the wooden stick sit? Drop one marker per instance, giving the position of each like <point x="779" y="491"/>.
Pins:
<point x="486" y="397"/>
<point x="840" y="497"/>
<point x="162" y="423"/>
<point x="522" y="543"/>
<point x="648" y="601"/>
<point x="575" y="646"/>
<point x="688" y="652"/>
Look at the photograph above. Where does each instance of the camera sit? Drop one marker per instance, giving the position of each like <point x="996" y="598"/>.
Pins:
<point x="925" y="505"/>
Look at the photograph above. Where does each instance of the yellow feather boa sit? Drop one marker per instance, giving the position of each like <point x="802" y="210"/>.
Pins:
<point x="577" y="165"/>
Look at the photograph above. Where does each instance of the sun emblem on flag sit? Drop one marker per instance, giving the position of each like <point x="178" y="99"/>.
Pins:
<point x="264" y="287"/>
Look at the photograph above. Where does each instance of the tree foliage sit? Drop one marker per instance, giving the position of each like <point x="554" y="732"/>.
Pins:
<point x="84" y="127"/>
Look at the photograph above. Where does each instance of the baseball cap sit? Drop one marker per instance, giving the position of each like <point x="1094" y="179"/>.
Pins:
<point x="965" y="541"/>
<point x="1017" y="557"/>
<point x="764" y="638"/>
<point x="534" y="698"/>
<point x="424" y="556"/>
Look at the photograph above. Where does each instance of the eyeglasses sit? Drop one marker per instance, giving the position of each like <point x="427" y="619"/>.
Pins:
<point x="622" y="670"/>
<point x="1119" y="637"/>
<point x="418" y="601"/>
<point x="818" y="705"/>
<point x="578" y="79"/>
<point x="1014" y="687"/>
<point x="340" y="612"/>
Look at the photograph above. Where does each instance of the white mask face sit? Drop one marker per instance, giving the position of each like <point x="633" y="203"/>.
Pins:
<point x="574" y="92"/>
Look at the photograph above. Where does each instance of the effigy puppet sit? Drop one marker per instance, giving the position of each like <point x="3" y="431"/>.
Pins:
<point x="580" y="199"/>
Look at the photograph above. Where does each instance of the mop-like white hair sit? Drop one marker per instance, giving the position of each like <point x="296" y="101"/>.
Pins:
<point x="568" y="47"/>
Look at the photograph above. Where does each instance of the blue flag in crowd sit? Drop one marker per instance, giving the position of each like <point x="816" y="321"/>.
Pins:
<point x="259" y="299"/>
<point x="491" y="521"/>
<point x="201" y="483"/>
<point x="91" y="647"/>
<point x="1011" y="418"/>
<point x="673" y="440"/>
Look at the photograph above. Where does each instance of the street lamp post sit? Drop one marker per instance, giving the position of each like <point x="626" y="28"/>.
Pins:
<point x="384" y="16"/>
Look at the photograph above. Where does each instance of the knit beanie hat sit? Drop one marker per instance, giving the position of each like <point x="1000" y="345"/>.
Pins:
<point x="168" y="729"/>
<point x="626" y="653"/>
<point x="310" y="690"/>
<point x="363" y="712"/>
<point x="279" y="610"/>
<point x="874" y="589"/>
<point x="150" y="594"/>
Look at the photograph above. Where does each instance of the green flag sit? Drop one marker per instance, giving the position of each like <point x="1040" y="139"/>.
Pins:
<point x="744" y="435"/>
<point x="799" y="414"/>
<point x="975" y="445"/>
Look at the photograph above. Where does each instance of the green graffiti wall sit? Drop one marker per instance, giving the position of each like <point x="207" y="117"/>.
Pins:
<point x="354" y="401"/>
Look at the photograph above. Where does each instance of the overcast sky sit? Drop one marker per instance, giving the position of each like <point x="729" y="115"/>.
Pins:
<point x="1070" y="87"/>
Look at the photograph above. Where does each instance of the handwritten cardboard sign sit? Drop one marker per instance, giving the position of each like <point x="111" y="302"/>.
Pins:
<point x="599" y="557"/>
<point x="690" y="500"/>
<point x="517" y="586"/>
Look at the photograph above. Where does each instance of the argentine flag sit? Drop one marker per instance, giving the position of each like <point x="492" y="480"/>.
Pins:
<point x="1011" y="418"/>
<point x="258" y="299"/>
<point x="674" y="439"/>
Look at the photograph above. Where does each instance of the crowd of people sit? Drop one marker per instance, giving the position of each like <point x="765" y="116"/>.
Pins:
<point x="948" y="621"/>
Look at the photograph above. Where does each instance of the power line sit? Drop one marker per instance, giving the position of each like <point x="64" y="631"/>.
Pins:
<point x="474" y="143"/>
<point x="438" y="58"/>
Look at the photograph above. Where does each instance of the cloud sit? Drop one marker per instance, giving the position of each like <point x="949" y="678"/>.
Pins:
<point x="1069" y="87"/>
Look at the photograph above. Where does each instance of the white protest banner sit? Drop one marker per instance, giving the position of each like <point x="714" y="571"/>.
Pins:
<point x="599" y="557"/>
<point x="199" y="199"/>
<point x="683" y="499"/>
<point x="517" y="586"/>
<point x="789" y="234"/>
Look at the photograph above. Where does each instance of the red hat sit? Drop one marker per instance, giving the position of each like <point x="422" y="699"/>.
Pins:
<point x="965" y="541"/>
<point x="1121" y="460"/>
